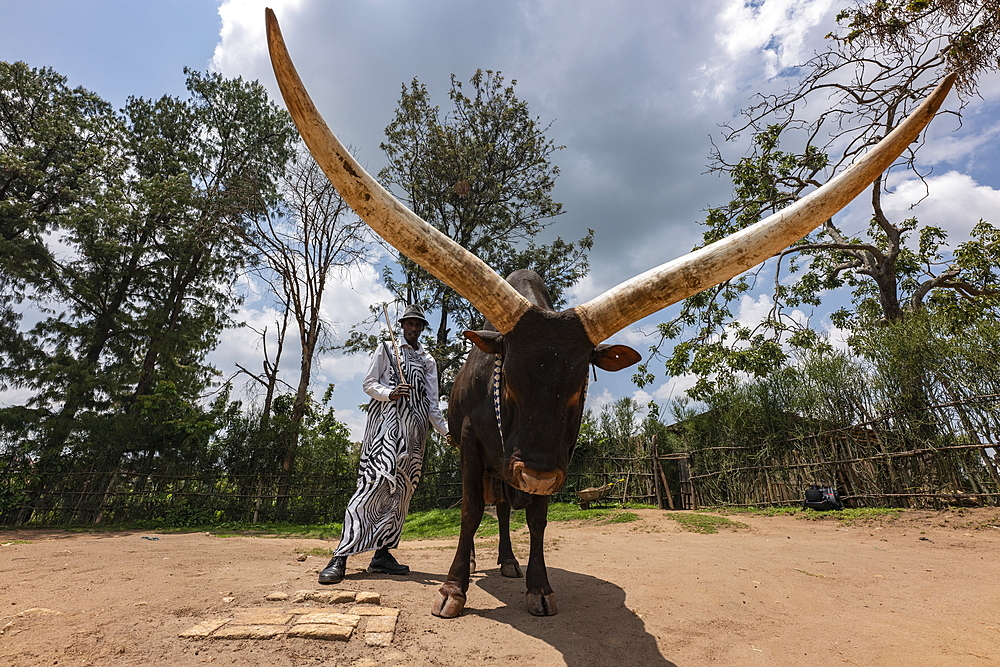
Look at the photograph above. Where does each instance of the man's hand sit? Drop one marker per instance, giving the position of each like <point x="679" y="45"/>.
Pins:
<point x="448" y="438"/>
<point x="400" y="390"/>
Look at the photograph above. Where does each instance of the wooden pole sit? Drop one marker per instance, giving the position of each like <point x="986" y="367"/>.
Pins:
<point x="656" y="482"/>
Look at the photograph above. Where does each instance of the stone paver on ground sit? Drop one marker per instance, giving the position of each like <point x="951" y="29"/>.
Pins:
<point x="305" y="622"/>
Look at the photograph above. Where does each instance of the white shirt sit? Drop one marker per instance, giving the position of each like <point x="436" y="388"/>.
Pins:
<point x="378" y="382"/>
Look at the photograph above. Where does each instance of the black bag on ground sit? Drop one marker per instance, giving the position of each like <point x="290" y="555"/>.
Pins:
<point x="822" y="498"/>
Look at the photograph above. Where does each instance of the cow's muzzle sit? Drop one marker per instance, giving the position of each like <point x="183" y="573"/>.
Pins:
<point x="534" y="482"/>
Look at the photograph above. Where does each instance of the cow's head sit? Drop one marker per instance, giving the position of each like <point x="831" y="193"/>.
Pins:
<point x="588" y="325"/>
<point x="546" y="359"/>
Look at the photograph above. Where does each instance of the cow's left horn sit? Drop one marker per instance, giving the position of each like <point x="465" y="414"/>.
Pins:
<point x="669" y="283"/>
<point x="451" y="263"/>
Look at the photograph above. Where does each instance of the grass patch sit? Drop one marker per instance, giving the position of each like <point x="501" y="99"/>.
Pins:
<point x="755" y="511"/>
<point x="847" y="516"/>
<point x="704" y="523"/>
<point x="321" y="531"/>
<point x="435" y="524"/>
<point x="7" y="544"/>
<point x="425" y="525"/>
<point x="854" y="514"/>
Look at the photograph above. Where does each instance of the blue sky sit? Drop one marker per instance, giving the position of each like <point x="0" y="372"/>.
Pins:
<point x="634" y="91"/>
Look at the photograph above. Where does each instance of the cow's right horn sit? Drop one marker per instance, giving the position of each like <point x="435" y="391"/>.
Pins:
<point x="669" y="283"/>
<point x="468" y="275"/>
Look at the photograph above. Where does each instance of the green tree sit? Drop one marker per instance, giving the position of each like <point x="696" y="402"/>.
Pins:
<point x="886" y="56"/>
<point x="482" y="174"/>
<point x="326" y="447"/>
<point x="141" y="284"/>
<point x="54" y="153"/>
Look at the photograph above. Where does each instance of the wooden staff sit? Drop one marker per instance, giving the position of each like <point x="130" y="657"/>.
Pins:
<point x="395" y="344"/>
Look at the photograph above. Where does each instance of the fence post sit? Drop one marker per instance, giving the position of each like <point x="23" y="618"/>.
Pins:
<point x="653" y="465"/>
<point x="666" y="485"/>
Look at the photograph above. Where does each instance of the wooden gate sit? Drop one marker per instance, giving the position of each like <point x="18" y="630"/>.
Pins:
<point x="687" y="498"/>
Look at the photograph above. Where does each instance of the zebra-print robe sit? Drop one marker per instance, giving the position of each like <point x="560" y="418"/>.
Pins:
<point x="392" y="452"/>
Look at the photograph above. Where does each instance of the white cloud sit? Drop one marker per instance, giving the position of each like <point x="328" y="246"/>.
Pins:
<point x="242" y="44"/>
<point x="675" y="387"/>
<point x="764" y="37"/>
<point x="641" y="397"/>
<point x="348" y="295"/>
<point x="597" y="401"/>
<point x="835" y="336"/>
<point x="777" y="28"/>
<point x="945" y="145"/>
<point x="952" y="201"/>
<point x="354" y="419"/>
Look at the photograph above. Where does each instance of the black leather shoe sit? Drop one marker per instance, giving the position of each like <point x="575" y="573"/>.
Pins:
<point x="385" y="563"/>
<point x="333" y="573"/>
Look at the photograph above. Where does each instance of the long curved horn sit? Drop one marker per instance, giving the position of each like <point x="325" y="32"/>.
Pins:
<point x="678" y="279"/>
<point x="468" y="275"/>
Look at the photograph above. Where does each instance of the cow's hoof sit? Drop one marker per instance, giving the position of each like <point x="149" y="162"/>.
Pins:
<point x="511" y="568"/>
<point x="472" y="565"/>
<point x="449" y="605"/>
<point x="542" y="605"/>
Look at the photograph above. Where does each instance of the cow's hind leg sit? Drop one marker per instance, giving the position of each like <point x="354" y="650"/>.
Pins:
<point x="451" y="595"/>
<point x="509" y="567"/>
<point x="541" y="600"/>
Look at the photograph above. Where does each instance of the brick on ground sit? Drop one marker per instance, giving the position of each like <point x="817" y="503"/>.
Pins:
<point x="321" y="631"/>
<point x="263" y="617"/>
<point x="249" y="632"/>
<point x="336" y="596"/>
<point x="380" y="624"/>
<point x="328" y="617"/>
<point x="368" y="597"/>
<point x="333" y="597"/>
<point x="205" y="628"/>
<point x="378" y="638"/>
<point x="374" y="610"/>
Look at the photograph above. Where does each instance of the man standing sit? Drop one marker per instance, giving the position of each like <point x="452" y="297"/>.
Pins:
<point x="392" y="452"/>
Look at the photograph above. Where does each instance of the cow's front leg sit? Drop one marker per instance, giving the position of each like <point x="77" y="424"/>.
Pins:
<point x="541" y="600"/>
<point x="509" y="567"/>
<point x="451" y="595"/>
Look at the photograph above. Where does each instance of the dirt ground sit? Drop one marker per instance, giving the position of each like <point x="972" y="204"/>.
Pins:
<point x="918" y="590"/>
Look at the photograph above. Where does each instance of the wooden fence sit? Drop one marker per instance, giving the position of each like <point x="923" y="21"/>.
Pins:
<point x="872" y="464"/>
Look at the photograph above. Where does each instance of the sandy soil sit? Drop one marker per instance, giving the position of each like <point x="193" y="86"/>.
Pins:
<point x="920" y="590"/>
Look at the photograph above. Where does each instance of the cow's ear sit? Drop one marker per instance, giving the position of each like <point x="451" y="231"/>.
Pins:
<point x="614" y="357"/>
<point x="490" y="342"/>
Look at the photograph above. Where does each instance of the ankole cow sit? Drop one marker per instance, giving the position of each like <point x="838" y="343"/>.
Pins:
<point x="516" y="407"/>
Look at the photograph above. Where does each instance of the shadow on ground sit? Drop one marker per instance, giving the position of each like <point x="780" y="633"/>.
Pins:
<point x="593" y="626"/>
